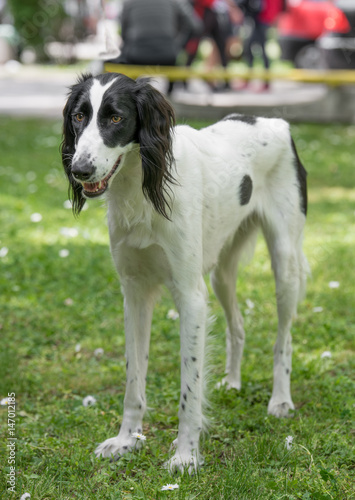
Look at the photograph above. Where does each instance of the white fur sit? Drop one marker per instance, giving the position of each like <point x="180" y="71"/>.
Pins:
<point x="208" y="230"/>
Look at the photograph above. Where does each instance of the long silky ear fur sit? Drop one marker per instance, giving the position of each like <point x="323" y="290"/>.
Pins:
<point x="68" y="146"/>
<point x="156" y="119"/>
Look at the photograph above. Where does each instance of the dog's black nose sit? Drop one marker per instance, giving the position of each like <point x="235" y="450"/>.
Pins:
<point x="82" y="170"/>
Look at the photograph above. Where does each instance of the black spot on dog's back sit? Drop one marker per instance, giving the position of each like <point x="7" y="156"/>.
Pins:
<point x="245" y="190"/>
<point x="249" y="119"/>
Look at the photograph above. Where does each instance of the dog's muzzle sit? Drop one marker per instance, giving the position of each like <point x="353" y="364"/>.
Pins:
<point x="93" y="189"/>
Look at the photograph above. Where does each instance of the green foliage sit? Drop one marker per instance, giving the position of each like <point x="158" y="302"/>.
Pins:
<point x="245" y="453"/>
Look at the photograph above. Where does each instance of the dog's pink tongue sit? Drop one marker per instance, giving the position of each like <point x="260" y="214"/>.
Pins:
<point x="91" y="187"/>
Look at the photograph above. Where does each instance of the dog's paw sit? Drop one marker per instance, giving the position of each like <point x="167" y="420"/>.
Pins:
<point x="116" y="446"/>
<point x="229" y="383"/>
<point x="183" y="463"/>
<point x="280" y="410"/>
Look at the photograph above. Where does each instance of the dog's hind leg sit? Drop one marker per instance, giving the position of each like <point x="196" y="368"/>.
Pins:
<point x="284" y="236"/>
<point x="138" y="308"/>
<point x="223" y="279"/>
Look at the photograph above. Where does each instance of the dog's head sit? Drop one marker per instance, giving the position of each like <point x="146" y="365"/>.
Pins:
<point x="104" y="117"/>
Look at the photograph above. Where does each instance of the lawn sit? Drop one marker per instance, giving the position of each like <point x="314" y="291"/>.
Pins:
<point x="61" y="300"/>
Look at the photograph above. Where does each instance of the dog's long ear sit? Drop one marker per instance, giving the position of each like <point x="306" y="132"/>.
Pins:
<point x="68" y="146"/>
<point x="156" y="119"/>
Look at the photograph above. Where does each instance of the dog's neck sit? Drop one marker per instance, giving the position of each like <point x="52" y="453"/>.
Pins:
<point x="125" y="198"/>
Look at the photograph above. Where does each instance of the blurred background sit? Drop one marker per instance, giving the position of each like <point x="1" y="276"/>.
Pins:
<point x="315" y="34"/>
<point x="54" y="40"/>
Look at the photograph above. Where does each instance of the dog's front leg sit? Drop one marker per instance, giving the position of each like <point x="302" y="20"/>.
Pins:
<point x="138" y="308"/>
<point x="193" y="316"/>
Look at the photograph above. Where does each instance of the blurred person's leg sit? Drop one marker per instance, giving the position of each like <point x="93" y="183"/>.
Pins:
<point x="260" y="38"/>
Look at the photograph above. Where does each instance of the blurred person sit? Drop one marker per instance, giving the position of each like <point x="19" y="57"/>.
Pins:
<point x="155" y="31"/>
<point x="260" y="15"/>
<point x="217" y="22"/>
<point x="233" y="44"/>
<point x="216" y="25"/>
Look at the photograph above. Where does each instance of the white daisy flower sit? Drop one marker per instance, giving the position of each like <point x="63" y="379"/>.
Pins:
<point x="172" y="314"/>
<point x="3" y="252"/>
<point x="318" y="309"/>
<point x="89" y="401"/>
<point x="36" y="217"/>
<point x="250" y="304"/>
<point x="31" y="176"/>
<point x="78" y="348"/>
<point x="4" y="402"/>
<point x="289" y="441"/>
<point x="69" y="232"/>
<point x="169" y="487"/>
<point x="137" y="435"/>
<point x="326" y="354"/>
<point x="86" y="234"/>
<point x="98" y="352"/>
<point x="24" y="496"/>
<point x="64" y="253"/>
<point x="333" y="284"/>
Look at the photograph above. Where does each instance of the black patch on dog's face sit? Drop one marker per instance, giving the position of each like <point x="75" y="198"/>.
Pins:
<point x="250" y="120"/>
<point x="116" y="103"/>
<point x="245" y="190"/>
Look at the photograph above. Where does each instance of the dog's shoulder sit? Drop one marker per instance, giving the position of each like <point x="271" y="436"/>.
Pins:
<point x="185" y="138"/>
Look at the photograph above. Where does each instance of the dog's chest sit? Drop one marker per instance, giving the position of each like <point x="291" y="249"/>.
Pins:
<point x="139" y="237"/>
<point x="130" y="221"/>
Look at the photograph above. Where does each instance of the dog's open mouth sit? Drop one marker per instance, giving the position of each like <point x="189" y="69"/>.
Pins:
<point x="92" y="189"/>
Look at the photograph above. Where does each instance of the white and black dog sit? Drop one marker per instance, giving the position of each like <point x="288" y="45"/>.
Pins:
<point x="182" y="203"/>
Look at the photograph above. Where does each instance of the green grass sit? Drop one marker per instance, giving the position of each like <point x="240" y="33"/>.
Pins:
<point x="245" y="453"/>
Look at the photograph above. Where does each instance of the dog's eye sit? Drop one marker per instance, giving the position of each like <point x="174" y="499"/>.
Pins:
<point x="115" y="119"/>
<point x="79" y="117"/>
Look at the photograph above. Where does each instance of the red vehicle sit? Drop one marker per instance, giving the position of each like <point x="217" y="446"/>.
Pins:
<point x="313" y="33"/>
